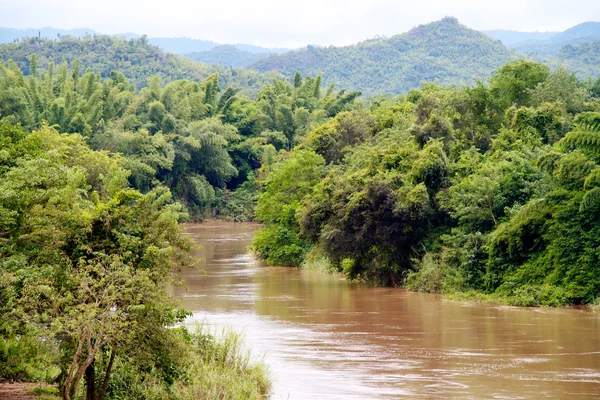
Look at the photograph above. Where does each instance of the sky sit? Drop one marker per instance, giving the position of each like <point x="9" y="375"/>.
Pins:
<point x="275" y="23"/>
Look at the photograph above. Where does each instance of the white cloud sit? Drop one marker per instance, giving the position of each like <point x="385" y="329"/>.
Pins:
<point x="291" y="24"/>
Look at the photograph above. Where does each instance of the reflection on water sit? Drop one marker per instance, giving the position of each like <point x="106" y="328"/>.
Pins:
<point x="325" y="338"/>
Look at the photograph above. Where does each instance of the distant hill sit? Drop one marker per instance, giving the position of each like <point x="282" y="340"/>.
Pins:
<point x="545" y="44"/>
<point x="576" y="49"/>
<point x="510" y="38"/>
<point x="226" y="55"/>
<point x="187" y="46"/>
<point x="179" y="45"/>
<point x="8" y="35"/>
<point x="443" y="51"/>
<point x="589" y="31"/>
<point x="137" y="59"/>
<point x="182" y="45"/>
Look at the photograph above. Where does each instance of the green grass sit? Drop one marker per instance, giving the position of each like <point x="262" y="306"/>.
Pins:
<point x="225" y="369"/>
<point x="46" y="392"/>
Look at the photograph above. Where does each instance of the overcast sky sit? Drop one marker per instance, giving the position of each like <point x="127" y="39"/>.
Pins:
<point x="291" y="23"/>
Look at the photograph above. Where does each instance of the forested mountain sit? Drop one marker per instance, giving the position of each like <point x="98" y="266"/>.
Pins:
<point x="585" y="31"/>
<point x="510" y="38"/>
<point x="135" y="58"/>
<point x="583" y="59"/>
<point x="545" y="44"/>
<point x="226" y="55"/>
<point x="443" y="51"/>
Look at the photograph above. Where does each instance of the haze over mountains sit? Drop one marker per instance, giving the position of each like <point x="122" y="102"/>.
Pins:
<point x="444" y="51"/>
<point x="180" y="45"/>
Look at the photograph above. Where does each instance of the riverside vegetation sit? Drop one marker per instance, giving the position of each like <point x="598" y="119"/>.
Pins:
<point x="484" y="191"/>
<point x="488" y="190"/>
<point x="85" y="264"/>
<point x="94" y="178"/>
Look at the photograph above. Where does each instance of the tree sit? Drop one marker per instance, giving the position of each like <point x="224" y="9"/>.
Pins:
<point x="297" y="79"/>
<point x="295" y="176"/>
<point x="513" y="83"/>
<point x="88" y="260"/>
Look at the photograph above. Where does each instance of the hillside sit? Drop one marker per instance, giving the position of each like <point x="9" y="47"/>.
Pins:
<point x="443" y="51"/>
<point x="226" y="55"/>
<point x="137" y="59"/>
<point x="582" y="59"/>
<point x="545" y="44"/>
<point x="576" y="49"/>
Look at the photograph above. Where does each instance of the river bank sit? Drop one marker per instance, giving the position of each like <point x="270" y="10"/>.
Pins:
<point x="26" y="391"/>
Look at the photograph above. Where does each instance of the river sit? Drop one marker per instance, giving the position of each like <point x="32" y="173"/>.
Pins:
<point x="326" y="338"/>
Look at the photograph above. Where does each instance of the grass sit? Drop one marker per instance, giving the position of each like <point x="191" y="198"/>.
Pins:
<point x="225" y="369"/>
<point x="46" y="392"/>
<point x="208" y="365"/>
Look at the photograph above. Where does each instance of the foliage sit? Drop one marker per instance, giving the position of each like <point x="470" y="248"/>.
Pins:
<point x="137" y="59"/>
<point x="198" y="139"/>
<point x="85" y="269"/>
<point x="280" y="243"/>
<point x="492" y="189"/>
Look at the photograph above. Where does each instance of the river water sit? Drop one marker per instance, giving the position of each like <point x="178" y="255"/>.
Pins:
<point x="325" y="338"/>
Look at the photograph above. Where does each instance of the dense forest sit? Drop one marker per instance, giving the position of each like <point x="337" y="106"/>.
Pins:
<point x="200" y="141"/>
<point x="486" y="191"/>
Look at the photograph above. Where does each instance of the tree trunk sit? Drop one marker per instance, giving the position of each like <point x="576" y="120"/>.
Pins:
<point x="90" y="382"/>
<point x="88" y="361"/>
<point x="65" y="390"/>
<point x="108" y="370"/>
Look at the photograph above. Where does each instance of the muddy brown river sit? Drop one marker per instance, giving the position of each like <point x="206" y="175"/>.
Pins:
<point x="326" y="338"/>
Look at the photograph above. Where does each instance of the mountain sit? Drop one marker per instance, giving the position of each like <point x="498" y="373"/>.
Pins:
<point x="443" y="51"/>
<point x="588" y="31"/>
<point x="137" y="59"/>
<point x="258" y="49"/>
<point x="226" y="55"/>
<point x="544" y="44"/>
<point x="510" y="38"/>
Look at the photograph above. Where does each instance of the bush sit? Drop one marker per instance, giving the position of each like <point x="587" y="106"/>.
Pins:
<point x="429" y="275"/>
<point x="281" y="246"/>
<point x="26" y="358"/>
<point x="536" y="295"/>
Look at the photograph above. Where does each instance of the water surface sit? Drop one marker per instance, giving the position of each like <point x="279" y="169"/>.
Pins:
<point x="325" y="338"/>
